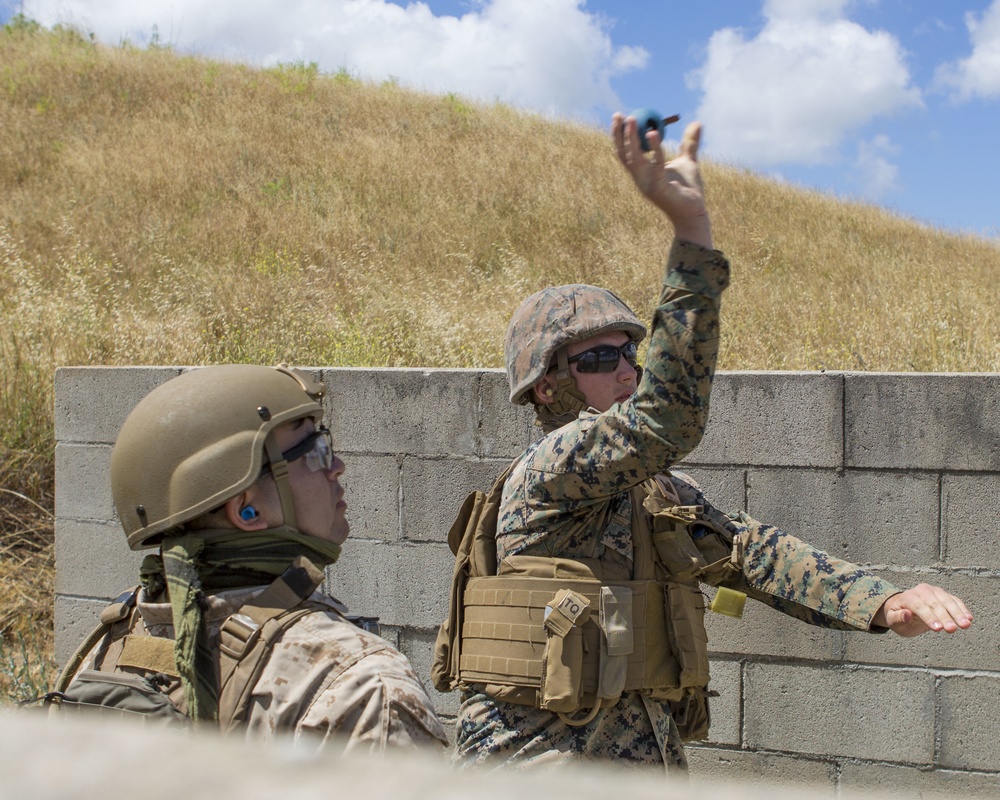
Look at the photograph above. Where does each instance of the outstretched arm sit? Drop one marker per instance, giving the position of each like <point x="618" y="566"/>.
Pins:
<point x="675" y="186"/>
<point x="923" y="608"/>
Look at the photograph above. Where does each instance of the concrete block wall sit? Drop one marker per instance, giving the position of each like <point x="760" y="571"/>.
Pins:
<point x="900" y="472"/>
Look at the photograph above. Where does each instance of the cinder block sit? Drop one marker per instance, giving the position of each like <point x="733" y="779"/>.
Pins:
<point x="405" y="584"/>
<point x="83" y="482"/>
<point x="740" y="769"/>
<point x="970" y="722"/>
<point x="91" y="403"/>
<point x="970" y="520"/>
<point x="762" y="631"/>
<point x="94" y="559"/>
<point x="885" y="715"/>
<point x="774" y="419"/>
<point x="724" y="488"/>
<point x="725" y="709"/>
<point x="371" y="488"/>
<point x="975" y="648"/>
<point x="75" y="618"/>
<point x="506" y="429"/>
<point x="434" y="490"/>
<point x="923" y="421"/>
<point x="420" y="412"/>
<point x="419" y="648"/>
<point x="864" y="517"/>
<point x="860" y="781"/>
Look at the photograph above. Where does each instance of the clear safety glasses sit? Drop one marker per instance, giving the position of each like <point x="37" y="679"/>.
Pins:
<point x="316" y="449"/>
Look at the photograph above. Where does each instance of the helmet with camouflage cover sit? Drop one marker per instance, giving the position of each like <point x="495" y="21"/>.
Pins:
<point x="555" y="317"/>
<point x="199" y="439"/>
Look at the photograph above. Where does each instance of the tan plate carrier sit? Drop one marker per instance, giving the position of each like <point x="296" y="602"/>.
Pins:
<point x="246" y="638"/>
<point x="560" y="635"/>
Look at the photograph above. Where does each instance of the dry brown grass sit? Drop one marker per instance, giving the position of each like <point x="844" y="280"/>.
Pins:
<point x="27" y="575"/>
<point x="157" y="209"/>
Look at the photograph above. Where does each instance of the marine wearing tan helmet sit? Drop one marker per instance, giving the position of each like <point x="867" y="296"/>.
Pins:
<point x="546" y="323"/>
<point x="228" y="473"/>
<point x="199" y="439"/>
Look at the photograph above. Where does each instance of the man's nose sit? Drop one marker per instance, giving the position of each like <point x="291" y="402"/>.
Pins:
<point x="337" y="468"/>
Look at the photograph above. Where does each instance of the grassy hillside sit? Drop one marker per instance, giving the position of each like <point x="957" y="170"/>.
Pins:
<point x="159" y="209"/>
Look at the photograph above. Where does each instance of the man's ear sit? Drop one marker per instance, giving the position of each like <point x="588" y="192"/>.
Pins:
<point x="241" y="513"/>
<point x="544" y="390"/>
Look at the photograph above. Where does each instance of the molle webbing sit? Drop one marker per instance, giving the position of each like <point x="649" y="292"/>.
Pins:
<point x="504" y="637"/>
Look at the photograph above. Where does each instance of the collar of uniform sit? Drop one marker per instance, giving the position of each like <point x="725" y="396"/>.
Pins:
<point x="220" y="605"/>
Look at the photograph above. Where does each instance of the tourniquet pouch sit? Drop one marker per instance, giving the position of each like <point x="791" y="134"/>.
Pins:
<point x="562" y="664"/>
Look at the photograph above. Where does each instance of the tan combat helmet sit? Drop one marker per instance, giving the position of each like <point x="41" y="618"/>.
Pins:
<point x="549" y="320"/>
<point x="199" y="439"/>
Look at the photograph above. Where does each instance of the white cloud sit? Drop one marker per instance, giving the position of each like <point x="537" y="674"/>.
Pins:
<point x="502" y="49"/>
<point x="793" y="93"/>
<point x="875" y="174"/>
<point x="979" y="74"/>
<point x="805" y="10"/>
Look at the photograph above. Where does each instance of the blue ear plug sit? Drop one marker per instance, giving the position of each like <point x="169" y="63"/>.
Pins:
<point x="248" y="513"/>
<point x="646" y="120"/>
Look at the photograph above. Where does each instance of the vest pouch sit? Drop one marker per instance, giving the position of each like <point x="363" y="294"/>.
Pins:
<point x="617" y="641"/>
<point x="676" y="550"/>
<point x="716" y="546"/>
<point x="120" y="695"/>
<point x="685" y="607"/>
<point x="691" y="715"/>
<point x="710" y="543"/>
<point x="562" y="673"/>
<point x="562" y="663"/>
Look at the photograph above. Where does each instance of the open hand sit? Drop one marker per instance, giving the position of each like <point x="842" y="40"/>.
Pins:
<point x="675" y="186"/>
<point x="923" y="608"/>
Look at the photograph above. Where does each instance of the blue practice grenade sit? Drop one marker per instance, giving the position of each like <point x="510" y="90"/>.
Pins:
<point x="647" y="120"/>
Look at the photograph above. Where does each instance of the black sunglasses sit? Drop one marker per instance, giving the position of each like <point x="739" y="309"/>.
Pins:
<point x="316" y="448"/>
<point x="604" y="358"/>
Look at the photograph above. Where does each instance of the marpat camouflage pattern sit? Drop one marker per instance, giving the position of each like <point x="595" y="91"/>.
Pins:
<point x="568" y="497"/>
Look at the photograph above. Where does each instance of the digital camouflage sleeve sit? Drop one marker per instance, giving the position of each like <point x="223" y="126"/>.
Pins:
<point x="566" y="488"/>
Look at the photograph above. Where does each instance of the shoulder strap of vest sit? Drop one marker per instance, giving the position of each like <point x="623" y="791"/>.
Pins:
<point x="247" y="637"/>
<point x="473" y="534"/>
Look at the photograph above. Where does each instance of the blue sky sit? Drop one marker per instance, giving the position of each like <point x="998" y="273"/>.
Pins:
<point x="894" y="102"/>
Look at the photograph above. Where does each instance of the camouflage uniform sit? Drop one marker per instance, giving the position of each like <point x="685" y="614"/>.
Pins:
<point x="568" y="497"/>
<point x="327" y="683"/>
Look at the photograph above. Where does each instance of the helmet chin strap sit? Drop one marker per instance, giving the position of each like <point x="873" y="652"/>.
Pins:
<point x="567" y="400"/>
<point x="279" y="469"/>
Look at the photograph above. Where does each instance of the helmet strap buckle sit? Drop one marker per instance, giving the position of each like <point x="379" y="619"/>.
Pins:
<point x="567" y="399"/>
